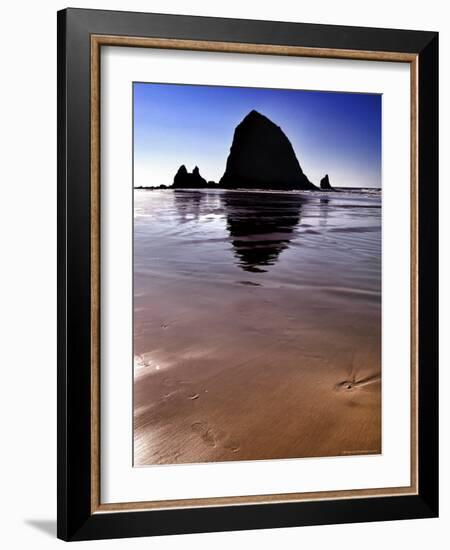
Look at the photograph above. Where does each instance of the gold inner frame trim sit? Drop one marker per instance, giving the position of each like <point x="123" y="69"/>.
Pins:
<point x="97" y="41"/>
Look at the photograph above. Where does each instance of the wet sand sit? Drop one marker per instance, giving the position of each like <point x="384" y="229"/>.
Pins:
<point x="257" y="326"/>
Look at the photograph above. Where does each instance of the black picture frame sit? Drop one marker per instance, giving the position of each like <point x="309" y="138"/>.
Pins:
<point x="75" y="518"/>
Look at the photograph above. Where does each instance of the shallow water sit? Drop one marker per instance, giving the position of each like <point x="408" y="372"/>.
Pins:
<point x="257" y="321"/>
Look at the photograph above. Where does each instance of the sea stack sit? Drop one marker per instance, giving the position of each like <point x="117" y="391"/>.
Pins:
<point x="184" y="179"/>
<point x="262" y="157"/>
<point x="325" y="184"/>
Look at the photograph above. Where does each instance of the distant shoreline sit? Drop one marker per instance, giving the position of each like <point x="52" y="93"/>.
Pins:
<point x="336" y="189"/>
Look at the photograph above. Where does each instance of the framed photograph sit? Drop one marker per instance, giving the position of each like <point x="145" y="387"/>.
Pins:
<point x="247" y="274"/>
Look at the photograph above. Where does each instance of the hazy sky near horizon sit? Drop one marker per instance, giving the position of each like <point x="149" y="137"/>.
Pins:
<point x="332" y="133"/>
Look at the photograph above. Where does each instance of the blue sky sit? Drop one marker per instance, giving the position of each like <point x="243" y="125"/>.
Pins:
<point x="331" y="132"/>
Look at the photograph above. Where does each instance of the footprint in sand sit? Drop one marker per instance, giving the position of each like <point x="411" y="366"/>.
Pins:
<point x="212" y="437"/>
<point x="180" y="388"/>
<point x="207" y="435"/>
<point x="231" y="445"/>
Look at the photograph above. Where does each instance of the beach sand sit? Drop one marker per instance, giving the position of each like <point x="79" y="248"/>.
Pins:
<point x="240" y="356"/>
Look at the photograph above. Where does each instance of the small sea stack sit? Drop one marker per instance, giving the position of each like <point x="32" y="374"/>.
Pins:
<point x="188" y="180"/>
<point x="325" y="184"/>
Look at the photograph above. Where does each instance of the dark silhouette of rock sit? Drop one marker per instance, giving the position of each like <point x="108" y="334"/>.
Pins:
<point x="261" y="226"/>
<point x="196" y="173"/>
<point x="186" y="180"/>
<point x="181" y="174"/>
<point x="325" y="184"/>
<point x="262" y="157"/>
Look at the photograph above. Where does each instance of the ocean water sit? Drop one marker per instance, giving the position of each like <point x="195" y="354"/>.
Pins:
<point x="252" y="301"/>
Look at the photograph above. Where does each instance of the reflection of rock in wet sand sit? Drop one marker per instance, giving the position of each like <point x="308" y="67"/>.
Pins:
<point x="323" y="212"/>
<point x="261" y="226"/>
<point x="188" y="204"/>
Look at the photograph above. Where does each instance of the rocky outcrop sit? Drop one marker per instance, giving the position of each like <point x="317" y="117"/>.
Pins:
<point x="262" y="157"/>
<point x="188" y="180"/>
<point x="325" y="184"/>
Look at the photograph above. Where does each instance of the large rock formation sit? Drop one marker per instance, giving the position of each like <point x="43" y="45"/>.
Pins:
<point x="262" y="157"/>
<point x="325" y="184"/>
<point x="186" y="180"/>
